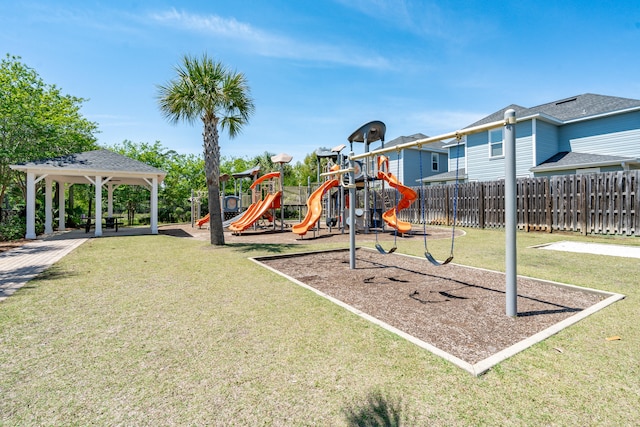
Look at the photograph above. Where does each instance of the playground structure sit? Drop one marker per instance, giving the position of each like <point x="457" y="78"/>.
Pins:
<point x="409" y="195"/>
<point x="371" y="131"/>
<point x="366" y="217"/>
<point x="260" y="206"/>
<point x="314" y="206"/>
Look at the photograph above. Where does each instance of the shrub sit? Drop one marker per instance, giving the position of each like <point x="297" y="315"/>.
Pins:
<point x="13" y="228"/>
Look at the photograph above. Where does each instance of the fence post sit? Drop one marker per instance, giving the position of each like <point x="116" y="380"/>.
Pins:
<point x="583" y="204"/>
<point x="548" y="204"/>
<point x="481" y="205"/>
<point x="526" y="208"/>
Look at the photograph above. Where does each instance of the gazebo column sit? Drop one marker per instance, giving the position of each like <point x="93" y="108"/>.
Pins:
<point x="48" y="206"/>
<point x="154" y="205"/>
<point x="109" y="200"/>
<point x="61" y="204"/>
<point x="31" y="206"/>
<point x="98" y="219"/>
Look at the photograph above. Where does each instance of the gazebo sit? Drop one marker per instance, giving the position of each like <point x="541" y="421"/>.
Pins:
<point x="100" y="168"/>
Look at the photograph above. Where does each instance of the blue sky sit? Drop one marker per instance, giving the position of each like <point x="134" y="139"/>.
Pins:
<point x="318" y="70"/>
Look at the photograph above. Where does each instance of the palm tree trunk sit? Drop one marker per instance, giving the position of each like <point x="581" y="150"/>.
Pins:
<point x="212" y="170"/>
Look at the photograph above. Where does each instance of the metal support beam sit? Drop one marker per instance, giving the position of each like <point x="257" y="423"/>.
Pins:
<point x="510" y="212"/>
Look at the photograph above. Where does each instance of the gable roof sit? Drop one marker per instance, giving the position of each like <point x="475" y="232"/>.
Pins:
<point x="97" y="162"/>
<point x="569" y="109"/>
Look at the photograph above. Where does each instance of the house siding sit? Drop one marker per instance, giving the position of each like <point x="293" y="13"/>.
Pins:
<point x="617" y="135"/>
<point x="393" y="166"/>
<point x="547" y="137"/>
<point x="482" y="168"/>
<point x="409" y="165"/>
<point x="453" y="163"/>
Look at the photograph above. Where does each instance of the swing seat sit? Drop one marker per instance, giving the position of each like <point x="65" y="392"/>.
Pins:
<point x="435" y="262"/>
<point x="383" y="252"/>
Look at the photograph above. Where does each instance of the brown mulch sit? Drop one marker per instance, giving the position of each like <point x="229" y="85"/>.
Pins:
<point x="458" y="309"/>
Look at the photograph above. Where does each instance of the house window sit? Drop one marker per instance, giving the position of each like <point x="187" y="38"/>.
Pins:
<point x="435" y="162"/>
<point x="496" y="147"/>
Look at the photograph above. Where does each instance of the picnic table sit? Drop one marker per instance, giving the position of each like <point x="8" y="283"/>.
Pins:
<point x="111" y="222"/>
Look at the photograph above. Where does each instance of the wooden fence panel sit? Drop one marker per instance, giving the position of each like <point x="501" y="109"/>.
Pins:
<point x="494" y="203"/>
<point x="604" y="203"/>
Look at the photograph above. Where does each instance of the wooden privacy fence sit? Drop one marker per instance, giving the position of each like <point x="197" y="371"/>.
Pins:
<point x="603" y="203"/>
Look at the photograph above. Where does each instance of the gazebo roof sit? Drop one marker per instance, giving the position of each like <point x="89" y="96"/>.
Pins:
<point x="74" y="168"/>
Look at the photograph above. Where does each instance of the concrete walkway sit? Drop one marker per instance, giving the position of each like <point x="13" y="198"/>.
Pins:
<point x="594" y="248"/>
<point x="22" y="264"/>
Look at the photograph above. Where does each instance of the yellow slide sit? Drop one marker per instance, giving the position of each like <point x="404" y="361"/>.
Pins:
<point x="314" y="208"/>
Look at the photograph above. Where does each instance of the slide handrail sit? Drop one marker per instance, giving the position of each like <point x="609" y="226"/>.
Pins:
<point x="264" y="177"/>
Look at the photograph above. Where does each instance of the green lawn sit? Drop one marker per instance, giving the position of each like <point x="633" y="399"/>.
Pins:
<point x="156" y="330"/>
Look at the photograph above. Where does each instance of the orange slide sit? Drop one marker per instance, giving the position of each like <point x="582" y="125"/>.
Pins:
<point x="408" y="197"/>
<point x="202" y="220"/>
<point x="256" y="211"/>
<point x="314" y="205"/>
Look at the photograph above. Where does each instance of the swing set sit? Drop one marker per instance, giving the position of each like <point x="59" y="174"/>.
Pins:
<point x="390" y="216"/>
<point x="408" y="196"/>
<point x="427" y="254"/>
<point x="509" y="138"/>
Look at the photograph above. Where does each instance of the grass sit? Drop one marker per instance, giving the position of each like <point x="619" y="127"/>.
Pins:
<point x="155" y="330"/>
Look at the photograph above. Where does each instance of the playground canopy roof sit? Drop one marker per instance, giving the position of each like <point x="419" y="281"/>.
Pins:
<point x="369" y="132"/>
<point x="248" y="173"/>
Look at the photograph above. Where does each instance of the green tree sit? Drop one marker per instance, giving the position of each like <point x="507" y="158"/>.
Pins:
<point x="185" y="172"/>
<point x="308" y="168"/>
<point x="36" y="121"/>
<point x="231" y="165"/>
<point x="207" y="90"/>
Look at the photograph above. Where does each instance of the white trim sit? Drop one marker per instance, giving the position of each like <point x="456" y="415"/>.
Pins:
<point x="437" y="168"/>
<point x="491" y="143"/>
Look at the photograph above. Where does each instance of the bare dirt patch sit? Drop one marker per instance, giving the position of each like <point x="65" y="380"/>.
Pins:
<point x="460" y="310"/>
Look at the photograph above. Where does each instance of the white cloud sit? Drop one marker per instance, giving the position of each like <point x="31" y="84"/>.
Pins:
<point x="265" y="43"/>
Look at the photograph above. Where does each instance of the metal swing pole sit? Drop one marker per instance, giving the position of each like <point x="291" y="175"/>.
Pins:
<point x="510" y="212"/>
<point x="352" y="213"/>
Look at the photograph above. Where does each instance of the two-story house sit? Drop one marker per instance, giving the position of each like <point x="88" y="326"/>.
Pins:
<point x="407" y="164"/>
<point x="581" y="134"/>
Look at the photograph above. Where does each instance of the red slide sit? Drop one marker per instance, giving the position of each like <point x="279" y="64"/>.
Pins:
<point x="314" y="205"/>
<point x="408" y="197"/>
<point x="255" y="212"/>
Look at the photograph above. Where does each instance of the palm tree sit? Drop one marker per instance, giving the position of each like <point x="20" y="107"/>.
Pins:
<point x="208" y="90"/>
